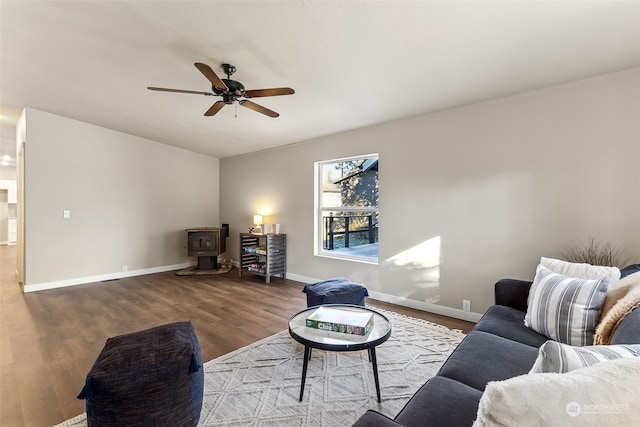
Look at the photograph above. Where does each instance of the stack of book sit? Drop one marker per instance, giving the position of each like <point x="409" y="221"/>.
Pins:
<point x="257" y="267"/>
<point x="341" y="320"/>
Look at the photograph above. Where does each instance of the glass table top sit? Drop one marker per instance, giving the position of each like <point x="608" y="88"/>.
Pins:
<point x="337" y="341"/>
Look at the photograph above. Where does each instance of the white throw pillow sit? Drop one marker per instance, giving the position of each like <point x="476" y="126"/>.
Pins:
<point x="605" y="394"/>
<point x="565" y="309"/>
<point x="559" y="358"/>
<point x="580" y="271"/>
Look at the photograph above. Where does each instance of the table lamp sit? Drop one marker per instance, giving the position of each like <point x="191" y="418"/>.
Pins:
<point x="257" y="221"/>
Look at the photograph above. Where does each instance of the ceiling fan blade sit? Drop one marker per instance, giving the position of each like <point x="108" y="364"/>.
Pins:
<point x="214" y="108"/>
<point x="211" y="76"/>
<point x="164" y="89"/>
<point x="259" y="108"/>
<point x="256" y="93"/>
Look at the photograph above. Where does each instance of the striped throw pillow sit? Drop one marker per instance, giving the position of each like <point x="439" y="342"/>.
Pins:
<point x="560" y="358"/>
<point x="565" y="309"/>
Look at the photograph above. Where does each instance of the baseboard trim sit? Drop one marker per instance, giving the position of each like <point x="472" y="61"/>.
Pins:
<point x="406" y="302"/>
<point x="303" y="279"/>
<point x="103" y="277"/>
<point x="428" y="307"/>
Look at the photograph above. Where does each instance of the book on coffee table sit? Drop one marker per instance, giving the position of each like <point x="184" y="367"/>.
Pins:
<point x="341" y="320"/>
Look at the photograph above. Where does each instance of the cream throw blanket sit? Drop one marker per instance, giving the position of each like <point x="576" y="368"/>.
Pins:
<point x="604" y="394"/>
<point x="621" y="300"/>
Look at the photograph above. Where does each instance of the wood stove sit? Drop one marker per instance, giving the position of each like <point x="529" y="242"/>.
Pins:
<point x="207" y="243"/>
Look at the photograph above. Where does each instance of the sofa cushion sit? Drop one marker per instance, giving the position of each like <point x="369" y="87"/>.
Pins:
<point x="508" y="323"/>
<point x="565" y="309"/>
<point x="580" y="270"/>
<point x="560" y="358"/>
<point x="442" y="402"/>
<point x="630" y="269"/>
<point x="473" y="362"/>
<point x="372" y="418"/>
<point x="628" y="331"/>
<point x="512" y="293"/>
<point x="605" y="394"/>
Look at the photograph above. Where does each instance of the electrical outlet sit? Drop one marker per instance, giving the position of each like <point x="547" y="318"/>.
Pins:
<point x="466" y="305"/>
<point x="125" y="268"/>
<point x="66" y="214"/>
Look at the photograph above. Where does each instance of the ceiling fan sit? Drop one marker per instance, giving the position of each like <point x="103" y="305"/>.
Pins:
<point x="231" y="91"/>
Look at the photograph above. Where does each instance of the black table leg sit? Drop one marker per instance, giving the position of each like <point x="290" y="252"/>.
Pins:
<point x="305" y="363"/>
<point x="374" y="362"/>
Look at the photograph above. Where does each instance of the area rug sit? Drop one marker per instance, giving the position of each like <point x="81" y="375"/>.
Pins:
<point x="259" y="385"/>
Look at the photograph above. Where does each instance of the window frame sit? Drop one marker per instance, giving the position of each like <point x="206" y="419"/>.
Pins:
<point x="319" y="210"/>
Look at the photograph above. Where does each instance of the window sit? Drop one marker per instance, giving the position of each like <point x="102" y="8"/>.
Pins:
<point x="347" y="208"/>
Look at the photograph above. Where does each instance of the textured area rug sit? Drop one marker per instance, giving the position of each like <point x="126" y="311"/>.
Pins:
<point x="259" y="385"/>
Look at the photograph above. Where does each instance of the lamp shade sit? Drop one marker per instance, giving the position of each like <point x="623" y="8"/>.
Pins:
<point x="257" y="219"/>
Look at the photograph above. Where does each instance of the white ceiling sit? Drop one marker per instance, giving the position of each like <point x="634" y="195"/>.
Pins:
<point x="352" y="63"/>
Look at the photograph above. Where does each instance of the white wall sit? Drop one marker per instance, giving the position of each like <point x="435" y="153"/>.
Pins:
<point x="130" y="201"/>
<point x="7" y="184"/>
<point x="8" y="147"/>
<point x="4" y="216"/>
<point x="468" y="195"/>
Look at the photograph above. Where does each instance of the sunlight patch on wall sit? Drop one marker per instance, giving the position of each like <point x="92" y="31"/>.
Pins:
<point x="421" y="265"/>
<point x="424" y="255"/>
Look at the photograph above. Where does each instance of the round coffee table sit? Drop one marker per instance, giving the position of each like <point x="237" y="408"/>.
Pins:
<point x="335" y="341"/>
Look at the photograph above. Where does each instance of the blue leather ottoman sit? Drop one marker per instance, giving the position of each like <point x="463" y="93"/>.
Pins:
<point x="152" y="378"/>
<point x="335" y="291"/>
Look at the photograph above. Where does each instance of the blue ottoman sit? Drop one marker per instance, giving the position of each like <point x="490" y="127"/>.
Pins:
<point x="335" y="291"/>
<point x="153" y="377"/>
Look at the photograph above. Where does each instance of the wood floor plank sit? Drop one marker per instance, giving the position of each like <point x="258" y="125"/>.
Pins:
<point x="50" y="339"/>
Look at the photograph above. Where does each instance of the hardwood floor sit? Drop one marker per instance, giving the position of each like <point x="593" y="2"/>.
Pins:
<point x="50" y="339"/>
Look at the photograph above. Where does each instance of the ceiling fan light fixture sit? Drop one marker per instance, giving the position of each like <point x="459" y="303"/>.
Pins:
<point x="231" y="91"/>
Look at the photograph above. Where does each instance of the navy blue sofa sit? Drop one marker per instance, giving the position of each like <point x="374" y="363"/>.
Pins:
<point x="499" y="347"/>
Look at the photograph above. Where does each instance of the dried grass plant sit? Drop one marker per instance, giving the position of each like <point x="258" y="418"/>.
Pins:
<point x="596" y="253"/>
